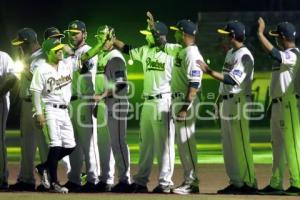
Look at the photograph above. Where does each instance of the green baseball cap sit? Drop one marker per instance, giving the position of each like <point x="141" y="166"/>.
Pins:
<point x="52" y="44"/>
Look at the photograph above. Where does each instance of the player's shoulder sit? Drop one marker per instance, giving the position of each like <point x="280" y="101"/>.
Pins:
<point x="193" y="51"/>
<point x="291" y="53"/>
<point x="84" y="48"/>
<point x="243" y="52"/>
<point x="5" y="56"/>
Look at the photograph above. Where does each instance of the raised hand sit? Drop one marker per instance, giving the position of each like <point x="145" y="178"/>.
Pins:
<point x="261" y="25"/>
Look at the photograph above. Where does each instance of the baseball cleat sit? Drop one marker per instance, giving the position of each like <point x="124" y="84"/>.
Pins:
<point x="43" y="174"/>
<point x="88" y="188"/>
<point x="121" y="187"/>
<point x="72" y="187"/>
<point x="41" y="188"/>
<point x="230" y="189"/>
<point x="245" y="189"/>
<point x="4" y="187"/>
<point x="137" y="188"/>
<point x="57" y="188"/>
<point x="22" y="186"/>
<point x="163" y="189"/>
<point x="269" y="190"/>
<point x="186" y="189"/>
<point x="103" y="187"/>
<point x="292" y="191"/>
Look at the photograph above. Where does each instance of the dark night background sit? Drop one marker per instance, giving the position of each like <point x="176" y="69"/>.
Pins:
<point x="127" y="17"/>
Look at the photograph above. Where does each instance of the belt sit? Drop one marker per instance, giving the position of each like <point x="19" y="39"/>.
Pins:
<point x="74" y="98"/>
<point x="277" y="100"/>
<point x="60" y="106"/>
<point x="177" y="94"/>
<point x="158" y="96"/>
<point x="225" y="97"/>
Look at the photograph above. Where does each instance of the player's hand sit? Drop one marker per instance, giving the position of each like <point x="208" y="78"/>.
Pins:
<point x="68" y="49"/>
<point x="203" y="66"/>
<point x="261" y="26"/>
<point x="181" y="116"/>
<point x="150" y="20"/>
<point x="41" y="120"/>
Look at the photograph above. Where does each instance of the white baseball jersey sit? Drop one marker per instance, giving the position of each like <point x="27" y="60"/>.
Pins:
<point x="239" y="66"/>
<point x="83" y="84"/>
<point x="157" y="65"/>
<point x="6" y="67"/>
<point x="54" y="85"/>
<point x="188" y="69"/>
<point x="283" y="73"/>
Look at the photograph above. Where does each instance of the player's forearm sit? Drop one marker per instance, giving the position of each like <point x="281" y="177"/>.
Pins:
<point x="91" y="53"/>
<point x="119" y="44"/>
<point x="37" y="102"/>
<point x="216" y="75"/>
<point x="265" y="42"/>
<point x="189" y="98"/>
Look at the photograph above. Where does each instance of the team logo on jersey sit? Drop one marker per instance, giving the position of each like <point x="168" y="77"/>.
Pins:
<point x="154" y="65"/>
<point x="53" y="84"/>
<point x="237" y="72"/>
<point x="195" y="73"/>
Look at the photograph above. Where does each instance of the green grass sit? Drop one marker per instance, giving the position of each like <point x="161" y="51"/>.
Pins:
<point x="209" y="146"/>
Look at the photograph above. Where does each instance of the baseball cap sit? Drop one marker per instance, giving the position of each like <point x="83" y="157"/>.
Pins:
<point x="159" y="27"/>
<point x="235" y="28"/>
<point x="76" y="27"/>
<point x="187" y="26"/>
<point x="285" y="29"/>
<point x="51" y="44"/>
<point x="53" y="32"/>
<point x="27" y="35"/>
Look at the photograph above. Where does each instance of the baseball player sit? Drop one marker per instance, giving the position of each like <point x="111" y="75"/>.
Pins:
<point x="81" y="115"/>
<point x="52" y="83"/>
<point x="53" y="32"/>
<point x="284" y="92"/>
<point x="112" y="64"/>
<point x="7" y="80"/>
<point x="31" y="135"/>
<point x="235" y="89"/>
<point x="186" y="81"/>
<point x="157" y="128"/>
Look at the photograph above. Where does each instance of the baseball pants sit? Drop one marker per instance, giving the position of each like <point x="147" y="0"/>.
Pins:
<point x="4" y="108"/>
<point x="238" y="157"/>
<point x="117" y="125"/>
<point x="292" y="138"/>
<point x="107" y="161"/>
<point x="186" y="140"/>
<point x="157" y="139"/>
<point x="278" y="149"/>
<point x="31" y="137"/>
<point x="85" y="132"/>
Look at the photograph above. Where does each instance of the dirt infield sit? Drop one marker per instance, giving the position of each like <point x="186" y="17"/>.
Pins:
<point x="212" y="178"/>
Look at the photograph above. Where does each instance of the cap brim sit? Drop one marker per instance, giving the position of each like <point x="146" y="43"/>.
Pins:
<point x="174" y="28"/>
<point x="145" y="32"/>
<point x="72" y="31"/>
<point x="57" y="35"/>
<point x="58" y="47"/>
<point x="17" y="42"/>
<point x="223" y="32"/>
<point x="273" y="33"/>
